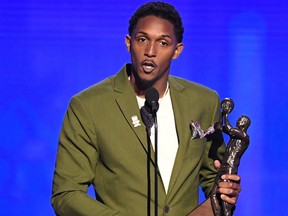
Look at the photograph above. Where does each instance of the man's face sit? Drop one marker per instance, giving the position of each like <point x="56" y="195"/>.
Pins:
<point x="152" y="46"/>
<point x="242" y="122"/>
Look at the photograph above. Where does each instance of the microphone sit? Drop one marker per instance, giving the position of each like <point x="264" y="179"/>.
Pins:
<point x="151" y="106"/>
<point x="152" y="97"/>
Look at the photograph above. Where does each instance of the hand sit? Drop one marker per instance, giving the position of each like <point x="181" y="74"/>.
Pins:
<point x="230" y="187"/>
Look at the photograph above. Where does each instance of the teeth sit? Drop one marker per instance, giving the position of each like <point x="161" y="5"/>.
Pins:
<point x="148" y="68"/>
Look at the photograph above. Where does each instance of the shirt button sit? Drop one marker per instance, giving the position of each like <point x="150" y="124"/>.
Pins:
<point x="167" y="209"/>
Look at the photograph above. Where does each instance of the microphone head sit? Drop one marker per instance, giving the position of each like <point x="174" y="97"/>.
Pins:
<point x="152" y="97"/>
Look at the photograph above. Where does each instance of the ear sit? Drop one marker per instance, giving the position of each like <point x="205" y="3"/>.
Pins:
<point x="128" y="42"/>
<point x="178" y="50"/>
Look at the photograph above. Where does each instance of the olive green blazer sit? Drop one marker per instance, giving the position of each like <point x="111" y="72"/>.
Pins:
<point x="99" y="144"/>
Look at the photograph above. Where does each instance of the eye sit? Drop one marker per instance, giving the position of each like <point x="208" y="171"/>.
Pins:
<point x="142" y="39"/>
<point x="163" y="43"/>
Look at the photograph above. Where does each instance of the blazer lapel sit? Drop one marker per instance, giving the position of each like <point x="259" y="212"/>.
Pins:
<point x="180" y="108"/>
<point x="129" y="107"/>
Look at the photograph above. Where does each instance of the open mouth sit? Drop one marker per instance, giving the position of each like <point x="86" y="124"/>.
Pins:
<point x="148" y="66"/>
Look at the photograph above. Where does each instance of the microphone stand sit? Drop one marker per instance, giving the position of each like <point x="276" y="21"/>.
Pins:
<point x="154" y="110"/>
<point x="149" y="119"/>
<point x="148" y="114"/>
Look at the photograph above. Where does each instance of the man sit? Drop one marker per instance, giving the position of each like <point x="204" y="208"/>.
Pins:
<point x="103" y="140"/>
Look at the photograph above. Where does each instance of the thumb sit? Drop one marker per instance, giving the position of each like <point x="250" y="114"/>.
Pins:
<point x="217" y="164"/>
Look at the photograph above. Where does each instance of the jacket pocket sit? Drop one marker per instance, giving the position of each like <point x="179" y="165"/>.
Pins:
<point x="195" y="149"/>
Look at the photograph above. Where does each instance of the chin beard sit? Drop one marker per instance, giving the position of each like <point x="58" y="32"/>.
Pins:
<point x="143" y="84"/>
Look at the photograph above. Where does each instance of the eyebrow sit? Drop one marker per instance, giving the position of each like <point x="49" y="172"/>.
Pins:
<point x="163" y="36"/>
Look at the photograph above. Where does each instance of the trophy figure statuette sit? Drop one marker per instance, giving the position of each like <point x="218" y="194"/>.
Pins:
<point x="237" y="145"/>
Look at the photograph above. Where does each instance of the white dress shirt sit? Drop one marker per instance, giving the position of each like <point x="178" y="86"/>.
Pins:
<point x="167" y="137"/>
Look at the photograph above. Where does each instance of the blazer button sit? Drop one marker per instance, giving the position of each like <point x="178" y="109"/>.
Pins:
<point x="167" y="209"/>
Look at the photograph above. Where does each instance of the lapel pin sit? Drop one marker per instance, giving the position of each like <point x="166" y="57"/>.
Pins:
<point x="135" y="121"/>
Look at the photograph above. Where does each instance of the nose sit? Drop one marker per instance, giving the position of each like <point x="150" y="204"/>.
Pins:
<point x="151" y="50"/>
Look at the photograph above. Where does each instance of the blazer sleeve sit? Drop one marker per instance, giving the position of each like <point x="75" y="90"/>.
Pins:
<point x="76" y="160"/>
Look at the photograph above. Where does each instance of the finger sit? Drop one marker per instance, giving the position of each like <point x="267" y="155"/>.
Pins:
<point x="229" y="191"/>
<point x="231" y="177"/>
<point x="228" y="195"/>
<point x="229" y="185"/>
<point x="230" y="200"/>
<point x="217" y="164"/>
